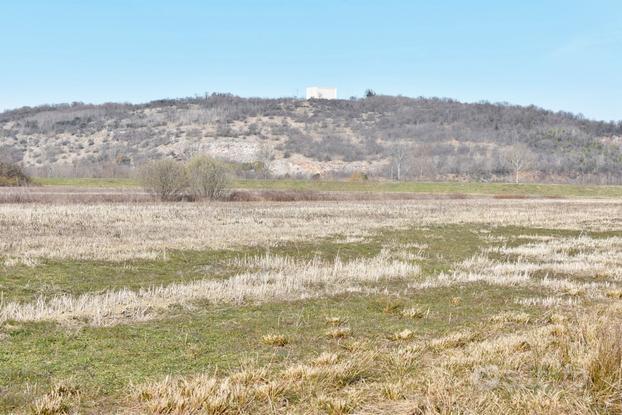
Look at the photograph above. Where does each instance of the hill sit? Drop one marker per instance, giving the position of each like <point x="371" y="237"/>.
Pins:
<point x="399" y="137"/>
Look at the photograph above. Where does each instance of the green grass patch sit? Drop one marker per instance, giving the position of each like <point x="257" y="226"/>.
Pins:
<point x="467" y="188"/>
<point x="54" y="277"/>
<point x="507" y="189"/>
<point x="85" y="182"/>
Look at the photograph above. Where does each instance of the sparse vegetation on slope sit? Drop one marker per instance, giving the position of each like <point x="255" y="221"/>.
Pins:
<point x="422" y="138"/>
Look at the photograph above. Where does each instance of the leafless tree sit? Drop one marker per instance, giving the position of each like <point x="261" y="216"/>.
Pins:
<point x="265" y="155"/>
<point x="399" y="154"/>
<point x="519" y="157"/>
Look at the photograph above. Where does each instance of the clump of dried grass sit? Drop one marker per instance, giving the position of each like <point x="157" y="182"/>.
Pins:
<point x="512" y="317"/>
<point x="59" y="401"/>
<point x="325" y="359"/>
<point x="550" y="301"/>
<point x="202" y="394"/>
<point x="336" y="405"/>
<point x="325" y="382"/>
<point x="335" y="321"/>
<point x="453" y="340"/>
<point x="557" y="318"/>
<point x="339" y="332"/>
<point x="605" y="366"/>
<point x="616" y="294"/>
<point x="393" y="391"/>
<point x="414" y="312"/>
<point x="274" y="340"/>
<point x="405" y="334"/>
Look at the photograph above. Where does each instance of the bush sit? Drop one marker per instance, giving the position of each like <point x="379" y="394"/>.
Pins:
<point x="207" y="178"/>
<point x="202" y="177"/>
<point x="13" y="175"/>
<point x="358" y="176"/>
<point x="166" y="179"/>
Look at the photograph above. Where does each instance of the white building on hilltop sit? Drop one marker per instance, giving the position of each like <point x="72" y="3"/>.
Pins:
<point x="317" y="92"/>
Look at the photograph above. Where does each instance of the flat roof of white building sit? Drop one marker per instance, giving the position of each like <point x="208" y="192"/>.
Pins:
<point x="320" y="92"/>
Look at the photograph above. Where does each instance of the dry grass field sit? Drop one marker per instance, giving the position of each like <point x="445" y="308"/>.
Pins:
<point x="431" y="306"/>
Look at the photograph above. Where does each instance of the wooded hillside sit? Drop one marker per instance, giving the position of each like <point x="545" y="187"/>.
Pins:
<point x="398" y="137"/>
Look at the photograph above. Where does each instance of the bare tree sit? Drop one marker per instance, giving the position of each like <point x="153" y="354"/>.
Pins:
<point x="399" y="160"/>
<point x="519" y="157"/>
<point x="265" y="155"/>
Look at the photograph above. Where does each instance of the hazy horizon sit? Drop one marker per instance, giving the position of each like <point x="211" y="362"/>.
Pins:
<point x="560" y="56"/>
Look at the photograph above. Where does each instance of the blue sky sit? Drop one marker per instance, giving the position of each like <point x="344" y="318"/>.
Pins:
<point x="560" y="55"/>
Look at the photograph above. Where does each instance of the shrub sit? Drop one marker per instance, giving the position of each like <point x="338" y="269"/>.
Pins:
<point x="166" y="179"/>
<point x="207" y="178"/>
<point x="12" y="175"/>
<point x="358" y="176"/>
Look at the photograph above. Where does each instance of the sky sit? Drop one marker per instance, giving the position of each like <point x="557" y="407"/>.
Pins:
<point x="559" y="55"/>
